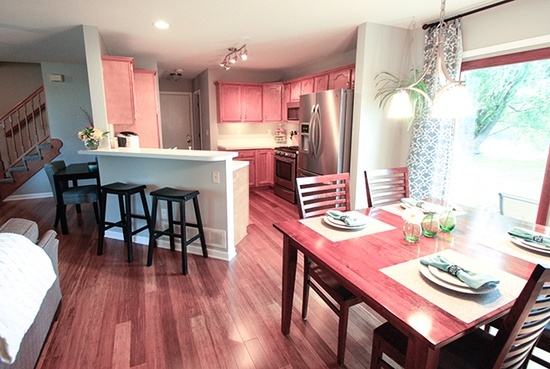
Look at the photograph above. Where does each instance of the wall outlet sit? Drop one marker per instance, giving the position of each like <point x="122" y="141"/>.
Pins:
<point x="215" y="177"/>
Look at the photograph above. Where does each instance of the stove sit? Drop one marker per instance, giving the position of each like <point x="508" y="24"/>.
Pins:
<point x="286" y="169"/>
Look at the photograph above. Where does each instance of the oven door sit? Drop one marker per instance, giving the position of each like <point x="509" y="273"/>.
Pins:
<point x="285" y="172"/>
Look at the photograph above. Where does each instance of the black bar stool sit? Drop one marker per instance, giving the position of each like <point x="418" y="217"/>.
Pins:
<point x="124" y="192"/>
<point x="181" y="196"/>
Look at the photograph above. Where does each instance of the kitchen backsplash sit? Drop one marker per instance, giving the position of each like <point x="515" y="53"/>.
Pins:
<point x="254" y="128"/>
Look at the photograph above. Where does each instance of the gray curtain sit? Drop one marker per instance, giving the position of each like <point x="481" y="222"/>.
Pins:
<point x="431" y="152"/>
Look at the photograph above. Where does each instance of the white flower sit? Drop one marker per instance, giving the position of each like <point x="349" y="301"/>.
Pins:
<point x="413" y="215"/>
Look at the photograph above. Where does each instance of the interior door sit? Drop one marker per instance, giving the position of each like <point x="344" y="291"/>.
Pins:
<point x="177" y="120"/>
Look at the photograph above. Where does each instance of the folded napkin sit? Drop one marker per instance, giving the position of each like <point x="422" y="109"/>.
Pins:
<point x="412" y="202"/>
<point x="472" y="279"/>
<point x="531" y="236"/>
<point x="350" y="220"/>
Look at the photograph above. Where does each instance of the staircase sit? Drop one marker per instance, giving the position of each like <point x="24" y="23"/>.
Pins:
<point x="25" y="142"/>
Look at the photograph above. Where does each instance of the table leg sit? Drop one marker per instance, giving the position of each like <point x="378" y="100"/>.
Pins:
<point x="290" y="258"/>
<point x="419" y="355"/>
<point x="62" y="208"/>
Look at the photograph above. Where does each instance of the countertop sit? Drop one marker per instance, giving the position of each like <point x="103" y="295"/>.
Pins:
<point x="251" y="142"/>
<point x="174" y="154"/>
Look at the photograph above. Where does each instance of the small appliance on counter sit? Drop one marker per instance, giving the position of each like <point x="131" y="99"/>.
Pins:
<point x="128" y="139"/>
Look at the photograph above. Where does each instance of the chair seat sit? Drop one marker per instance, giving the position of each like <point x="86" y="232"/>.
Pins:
<point x="119" y="187"/>
<point x="80" y="194"/>
<point x="168" y="193"/>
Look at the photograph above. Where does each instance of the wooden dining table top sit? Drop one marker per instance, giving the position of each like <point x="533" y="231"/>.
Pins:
<point x="356" y="263"/>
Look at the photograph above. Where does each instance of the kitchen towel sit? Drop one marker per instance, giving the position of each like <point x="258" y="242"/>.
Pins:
<point x="472" y="279"/>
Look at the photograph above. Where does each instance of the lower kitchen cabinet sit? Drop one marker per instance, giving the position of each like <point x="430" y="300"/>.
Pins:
<point x="260" y="169"/>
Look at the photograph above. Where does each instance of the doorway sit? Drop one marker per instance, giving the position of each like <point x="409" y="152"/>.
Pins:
<point x="177" y="120"/>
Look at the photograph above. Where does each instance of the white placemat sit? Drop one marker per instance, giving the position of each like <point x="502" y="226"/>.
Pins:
<point x="397" y="209"/>
<point x="503" y="244"/>
<point x="337" y="234"/>
<point x="465" y="307"/>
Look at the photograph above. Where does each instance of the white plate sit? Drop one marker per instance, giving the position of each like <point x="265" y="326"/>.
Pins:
<point x="446" y="277"/>
<point x="429" y="276"/>
<point x="533" y="246"/>
<point x="341" y="224"/>
<point x="426" y="209"/>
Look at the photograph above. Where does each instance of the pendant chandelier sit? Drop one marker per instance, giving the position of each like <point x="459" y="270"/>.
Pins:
<point x="451" y="99"/>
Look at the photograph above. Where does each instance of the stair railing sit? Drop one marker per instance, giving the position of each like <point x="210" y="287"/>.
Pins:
<point x="22" y="129"/>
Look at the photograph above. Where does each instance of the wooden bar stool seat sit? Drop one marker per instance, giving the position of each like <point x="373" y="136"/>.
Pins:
<point x="171" y="195"/>
<point x="124" y="193"/>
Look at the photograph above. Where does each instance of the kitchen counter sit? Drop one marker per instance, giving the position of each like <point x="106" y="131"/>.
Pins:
<point x="212" y="173"/>
<point x="251" y="142"/>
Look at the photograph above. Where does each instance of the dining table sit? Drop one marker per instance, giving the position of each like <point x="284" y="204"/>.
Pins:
<point x="73" y="173"/>
<point x="381" y="267"/>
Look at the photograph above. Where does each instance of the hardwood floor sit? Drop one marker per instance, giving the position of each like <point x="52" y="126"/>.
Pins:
<point x="117" y="314"/>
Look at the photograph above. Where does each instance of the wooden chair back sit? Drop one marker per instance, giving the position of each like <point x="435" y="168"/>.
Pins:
<point x="523" y="325"/>
<point x="386" y="186"/>
<point x="318" y="194"/>
<point x="544" y="203"/>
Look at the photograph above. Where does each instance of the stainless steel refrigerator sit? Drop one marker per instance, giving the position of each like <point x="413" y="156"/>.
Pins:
<point x="325" y="132"/>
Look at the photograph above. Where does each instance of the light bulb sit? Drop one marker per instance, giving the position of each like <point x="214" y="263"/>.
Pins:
<point x="244" y="54"/>
<point x="400" y="106"/>
<point x="453" y="101"/>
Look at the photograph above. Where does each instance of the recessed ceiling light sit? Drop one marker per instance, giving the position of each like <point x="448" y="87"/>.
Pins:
<point x="160" y="24"/>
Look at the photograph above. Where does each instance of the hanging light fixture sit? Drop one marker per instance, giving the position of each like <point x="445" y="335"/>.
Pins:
<point x="233" y="55"/>
<point x="452" y="99"/>
<point x="176" y="74"/>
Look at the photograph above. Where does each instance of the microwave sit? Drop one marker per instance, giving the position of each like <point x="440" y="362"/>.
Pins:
<point x="293" y="110"/>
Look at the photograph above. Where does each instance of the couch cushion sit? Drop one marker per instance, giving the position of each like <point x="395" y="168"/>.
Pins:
<point x="25" y="227"/>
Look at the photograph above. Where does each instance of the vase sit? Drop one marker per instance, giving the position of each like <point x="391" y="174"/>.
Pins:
<point x="447" y="220"/>
<point x="430" y="225"/>
<point x="412" y="231"/>
<point x="91" y="144"/>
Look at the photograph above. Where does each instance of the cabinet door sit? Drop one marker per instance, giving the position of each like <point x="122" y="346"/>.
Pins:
<point x="146" y="125"/>
<point x="251" y="99"/>
<point x="295" y="91"/>
<point x="273" y="102"/>
<point x="118" y="79"/>
<point x="264" y="167"/>
<point x="321" y="83"/>
<point x="229" y="102"/>
<point x="286" y="99"/>
<point x="307" y="86"/>
<point x="250" y="157"/>
<point x="340" y="79"/>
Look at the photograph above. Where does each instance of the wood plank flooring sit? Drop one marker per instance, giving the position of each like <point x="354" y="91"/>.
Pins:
<point x="123" y="315"/>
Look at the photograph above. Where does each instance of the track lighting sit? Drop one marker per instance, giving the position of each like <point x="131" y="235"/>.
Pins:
<point x="233" y="55"/>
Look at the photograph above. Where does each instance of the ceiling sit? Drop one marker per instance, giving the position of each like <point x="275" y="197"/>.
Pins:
<point x="280" y="35"/>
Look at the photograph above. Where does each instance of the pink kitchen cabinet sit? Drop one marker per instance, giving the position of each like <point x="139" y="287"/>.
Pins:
<point x="273" y="102"/>
<point x="307" y="86"/>
<point x="340" y="79"/>
<point x="264" y="167"/>
<point x="118" y="79"/>
<point x="229" y="102"/>
<point x="321" y="83"/>
<point x="147" y="126"/>
<point x="252" y="103"/>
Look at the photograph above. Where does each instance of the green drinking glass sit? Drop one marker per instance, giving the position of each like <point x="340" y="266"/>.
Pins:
<point x="430" y="225"/>
<point x="447" y="220"/>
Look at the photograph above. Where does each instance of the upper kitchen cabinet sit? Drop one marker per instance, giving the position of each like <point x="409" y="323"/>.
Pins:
<point x="321" y="82"/>
<point x="118" y="78"/>
<point x="342" y="78"/>
<point x="252" y="103"/>
<point x="273" y="102"/>
<point x="229" y="102"/>
<point x="301" y="87"/>
<point x="146" y="125"/>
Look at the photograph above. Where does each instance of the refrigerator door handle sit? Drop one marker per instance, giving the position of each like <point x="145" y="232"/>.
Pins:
<point x="312" y="131"/>
<point x="317" y="132"/>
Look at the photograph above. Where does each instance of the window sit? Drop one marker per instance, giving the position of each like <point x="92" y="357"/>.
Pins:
<point x="503" y="149"/>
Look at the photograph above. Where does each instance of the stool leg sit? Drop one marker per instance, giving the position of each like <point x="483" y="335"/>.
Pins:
<point x="183" y="231"/>
<point x="171" y="225"/>
<point x="152" y="232"/>
<point x="199" y="225"/>
<point x="122" y="216"/>
<point x="96" y="212"/>
<point x="101" y="232"/>
<point x="128" y="226"/>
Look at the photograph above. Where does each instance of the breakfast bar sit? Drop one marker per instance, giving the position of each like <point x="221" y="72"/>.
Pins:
<point x="214" y="174"/>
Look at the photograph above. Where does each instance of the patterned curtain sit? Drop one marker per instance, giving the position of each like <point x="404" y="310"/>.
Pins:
<point x="431" y="152"/>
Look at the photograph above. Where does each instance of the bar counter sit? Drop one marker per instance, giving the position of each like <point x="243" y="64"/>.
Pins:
<point x="219" y="180"/>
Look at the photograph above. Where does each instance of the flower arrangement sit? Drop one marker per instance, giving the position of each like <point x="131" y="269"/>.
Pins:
<point x="413" y="215"/>
<point x="91" y="137"/>
<point x="411" y="227"/>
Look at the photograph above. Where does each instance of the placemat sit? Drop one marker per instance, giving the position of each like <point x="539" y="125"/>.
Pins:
<point x="503" y="244"/>
<point x="465" y="307"/>
<point x="397" y="209"/>
<point x="336" y="234"/>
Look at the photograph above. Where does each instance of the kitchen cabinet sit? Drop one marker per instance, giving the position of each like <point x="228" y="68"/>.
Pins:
<point x="340" y="79"/>
<point x="301" y="87"/>
<point x="146" y="123"/>
<point x="260" y="169"/>
<point x="229" y="102"/>
<point x="273" y="102"/>
<point x="118" y="79"/>
<point x="321" y="83"/>
<point x="252" y="103"/>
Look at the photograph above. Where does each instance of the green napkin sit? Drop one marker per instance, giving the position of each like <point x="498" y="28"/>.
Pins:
<point x="412" y="202"/>
<point x="531" y="236"/>
<point x="350" y="220"/>
<point x="472" y="279"/>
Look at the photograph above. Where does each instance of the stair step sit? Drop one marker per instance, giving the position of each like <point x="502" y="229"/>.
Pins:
<point x="45" y="145"/>
<point x="6" y="180"/>
<point x="18" y="169"/>
<point x="32" y="157"/>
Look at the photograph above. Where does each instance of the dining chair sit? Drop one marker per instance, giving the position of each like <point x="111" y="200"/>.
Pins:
<point x="316" y="195"/>
<point x="511" y="347"/>
<point x="71" y="195"/>
<point x="544" y="203"/>
<point x="386" y="186"/>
